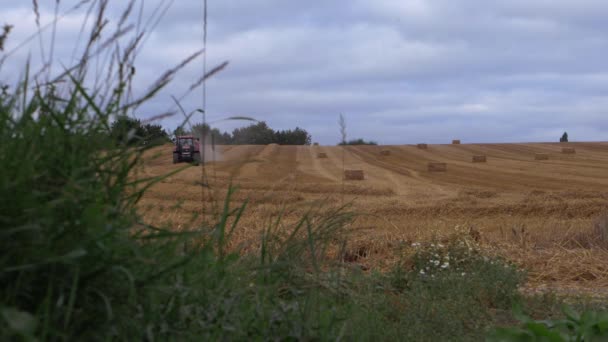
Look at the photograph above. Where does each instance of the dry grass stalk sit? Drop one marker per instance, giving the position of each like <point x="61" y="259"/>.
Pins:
<point x="541" y="156"/>
<point x="354" y="175"/>
<point x="422" y="146"/>
<point x="456" y="142"/>
<point x="568" y="150"/>
<point x="438" y="167"/>
<point x="596" y="237"/>
<point x="479" y="159"/>
<point x="385" y="152"/>
<point x="321" y="155"/>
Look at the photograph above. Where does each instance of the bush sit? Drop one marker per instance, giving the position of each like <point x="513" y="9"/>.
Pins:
<point x="445" y="291"/>
<point x="358" y="142"/>
<point x="590" y="326"/>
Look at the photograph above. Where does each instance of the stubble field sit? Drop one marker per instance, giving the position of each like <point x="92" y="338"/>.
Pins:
<point x="545" y="215"/>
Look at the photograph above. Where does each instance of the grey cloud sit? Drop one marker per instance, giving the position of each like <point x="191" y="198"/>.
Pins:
<point x="402" y="71"/>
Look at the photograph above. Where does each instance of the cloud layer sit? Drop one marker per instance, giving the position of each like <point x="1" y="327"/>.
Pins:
<point x="400" y="71"/>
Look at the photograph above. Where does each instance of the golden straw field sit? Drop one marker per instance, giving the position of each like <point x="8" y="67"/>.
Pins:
<point x="545" y="215"/>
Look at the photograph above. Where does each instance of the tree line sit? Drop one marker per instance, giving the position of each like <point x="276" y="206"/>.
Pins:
<point x="131" y="130"/>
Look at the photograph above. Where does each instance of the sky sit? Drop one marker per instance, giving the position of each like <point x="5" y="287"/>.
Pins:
<point x="400" y="71"/>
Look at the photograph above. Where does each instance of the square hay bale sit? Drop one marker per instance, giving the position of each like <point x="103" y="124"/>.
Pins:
<point x="321" y="155"/>
<point x="568" y="150"/>
<point x="354" y="175"/>
<point x="385" y="153"/>
<point x="422" y="146"/>
<point x="456" y="142"/>
<point x="315" y="144"/>
<point x="541" y="156"/>
<point x="479" y="159"/>
<point x="438" y="167"/>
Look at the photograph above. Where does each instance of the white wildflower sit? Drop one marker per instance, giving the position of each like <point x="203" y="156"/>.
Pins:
<point x="445" y="265"/>
<point x="422" y="272"/>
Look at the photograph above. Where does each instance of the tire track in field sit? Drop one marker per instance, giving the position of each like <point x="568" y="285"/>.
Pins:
<point x="310" y="164"/>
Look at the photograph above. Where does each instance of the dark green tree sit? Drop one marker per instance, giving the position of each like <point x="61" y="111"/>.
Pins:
<point x="256" y="134"/>
<point x="564" y="137"/>
<point x="358" y="142"/>
<point x="208" y="134"/>
<point x="155" y="134"/>
<point x="298" y="136"/>
<point x="180" y="131"/>
<point x="127" y="130"/>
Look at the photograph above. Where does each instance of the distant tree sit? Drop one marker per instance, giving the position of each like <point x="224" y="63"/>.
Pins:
<point x="358" y="142"/>
<point x="127" y="130"/>
<point x="155" y="134"/>
<point x="564" y="137"/>
<point x="256" y="134"/>
<point x="180" y="131"/>
<point x="208" y="134"/>
<point x="342" y="123"/>
<point x="298" y="136"/>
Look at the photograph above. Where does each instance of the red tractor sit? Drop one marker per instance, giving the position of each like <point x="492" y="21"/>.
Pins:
<point x="187" y="148"/>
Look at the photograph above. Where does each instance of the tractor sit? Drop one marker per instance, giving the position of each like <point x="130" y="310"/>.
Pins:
<point x="187" y="148"/>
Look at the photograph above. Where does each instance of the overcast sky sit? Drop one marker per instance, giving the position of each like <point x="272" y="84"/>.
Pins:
<point x="401" y="71"/>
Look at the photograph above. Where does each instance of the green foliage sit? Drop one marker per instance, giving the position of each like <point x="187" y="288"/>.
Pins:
<point x="444" y="292"/>
<point x="79" y="265"/>
<point x="255" y="134"/>
<point x="211" y="135"/>
<point x="358" y="142"/>
<point x="590" y="326"/>
<point x="298" y="136"/>
<point x="180" y="131"/>
<point x="131" y="131"/>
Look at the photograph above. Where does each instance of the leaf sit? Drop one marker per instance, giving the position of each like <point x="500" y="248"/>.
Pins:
<point x="541" y="330"/>
<point x="571" y="314"/>
<point x="19" y="321"/>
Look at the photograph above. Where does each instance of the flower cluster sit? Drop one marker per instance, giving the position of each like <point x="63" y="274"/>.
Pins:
<point x="456" y="256"/>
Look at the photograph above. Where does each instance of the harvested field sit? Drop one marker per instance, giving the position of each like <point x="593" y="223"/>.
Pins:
<point x="437" y="167"/>
<point x="541" y="156"/>
<point x="385" y="153"/>
<point x="568" y="150"/>
<point x="322" y="155"/>
<point x="543" y="216"/>
<point x="479" y="159"/>
<point x="354" y="175"/>
<point x="422" y="146"/>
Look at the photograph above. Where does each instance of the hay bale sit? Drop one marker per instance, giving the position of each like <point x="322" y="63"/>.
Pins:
<point x="455" y="142"/>
<point x="385" y="152"/>
<point x="479" y="159"/>
<point x="354" y="175"/>
<point x="541" y="156"/>
<point x="422" y="146"/>
<point x="568" y="150"/>
<point x="321" y="155"/>
<point x="315" y="144"/>
<point x="438" y="167"/>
